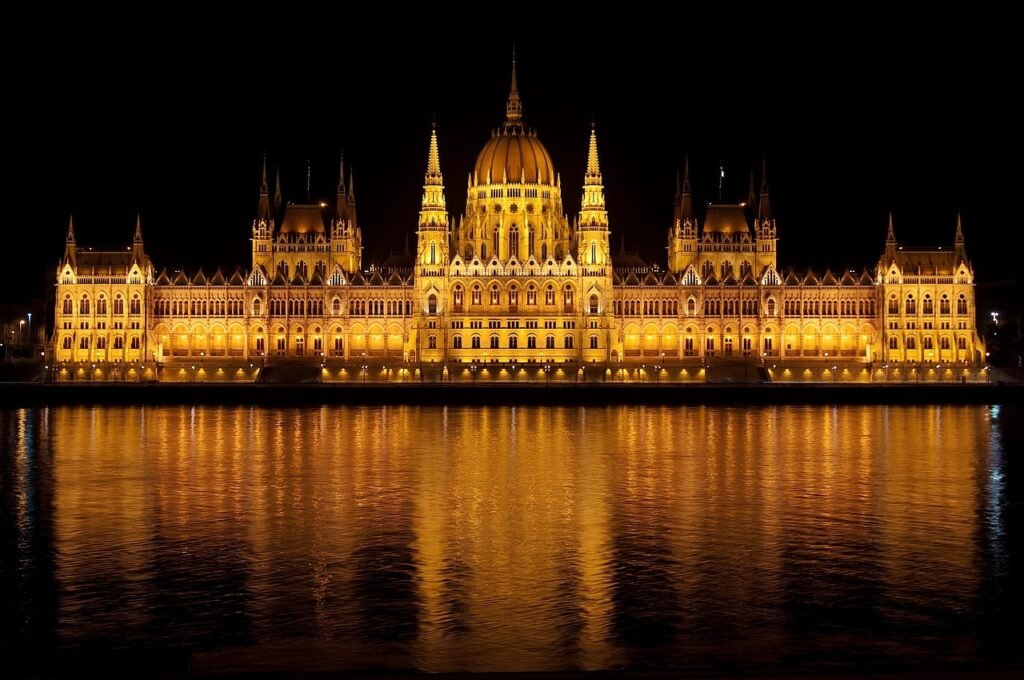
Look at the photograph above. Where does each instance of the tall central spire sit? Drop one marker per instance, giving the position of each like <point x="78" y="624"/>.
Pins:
<point x="593" y="167"/>
<point x="433" y="161"/>
<point x="514" y="108"/>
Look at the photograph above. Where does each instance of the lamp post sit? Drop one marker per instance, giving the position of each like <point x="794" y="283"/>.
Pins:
<point x="30" y="329"/>
<point x="21" y="330"/>
<point x="657" y="374"/>
<point x="547" y="374"/>
<point x="472" y="372"/>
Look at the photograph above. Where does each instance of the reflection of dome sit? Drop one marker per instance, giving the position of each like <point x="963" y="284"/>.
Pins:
<point x="726" y="219"/>
<point x="511" y="153"/>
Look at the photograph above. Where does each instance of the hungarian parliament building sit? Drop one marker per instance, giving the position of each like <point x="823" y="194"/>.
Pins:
<point x="514" y="287"/>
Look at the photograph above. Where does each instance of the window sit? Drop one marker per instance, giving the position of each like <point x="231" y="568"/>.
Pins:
<point x="119" y="342"/>
<point x="495" y="295"/>
<point x="593" y="342"/>
<point x="894" y="305"/>
<point x="83" y="305"/>
<point x="928" y="342"/>
<point x="593" y="252"/>
<point x="432" y="340"/>
<point x="691" y="306"/>
<point x="336" y="307"/>
<point x="513" y="342"/>
<point x="549" y="342"/>
<point x="944" y="342"/>
<point x="433" y="252"/>
<point x="476" y="295"/>
<point x="961" y="305"/>
<point x="67" y="342"/>
<point x="911" y="343"/>
<point x="549" y="295"/>
<point x="513" y="241"/>
<point x="929" y="307"/>
<point x="457" y="342"/>
<point x="83" y="343"/>
<point x="531" y="295"/>
<point x="68" y="305"/>
<point x="568" y="296"/>
<point x="431" y="304"/>
<point x="593" y="303"/>
<point x="260" y="346"/>
<point x="709" y="344"/>
<point x="280" y="344"/>
<point x="894" y="343"/>
<point x="911" y="306"/>
<point x="944" y="306"/>
<point x="118" y="306"/>
<point x="961" y="342"/>
<point x="496" y="235"/>
<point x="257" y="307"/>
<point x="101" y="305"/>
<point x="457" y="297"/>
<point x="771" y="306"/>
<point x="475" y="342"/>
<point x="531" y="342"/>
<point x="494" y="342"/>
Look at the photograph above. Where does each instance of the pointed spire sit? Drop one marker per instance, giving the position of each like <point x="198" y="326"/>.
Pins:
<point x="341" y="205"/>
<point x="764" y="209"/>
<point x="890" y="237"/>
<point x="514" y="107"/>
<point x="341" y="173"/>
<point x="352" y="186"/>
<point x="263" y="210"/>
<point x="959" y="238"/>
<point x="593" y="166"/>
<point x="433" y="159"/>
<point x="278" y="201"/>
<point x="685" y="197"/>
<point x="138" y="228"/>
<point x="751" y="196"/>
<point x="71" y="229"/>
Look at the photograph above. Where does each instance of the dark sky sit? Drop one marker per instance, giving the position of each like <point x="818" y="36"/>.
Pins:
<point x="856" y="117"/>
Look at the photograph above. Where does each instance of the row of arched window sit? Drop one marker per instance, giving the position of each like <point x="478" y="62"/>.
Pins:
<point x="927" y="342"/>
<point x="101" y="342"/>
<point x="512" y="295"/>
<point x="85" y="306"/>
<point x="927" y="305"/>
<point x="865" y="307"/>
<point x="513" y="342"/>
<point x="649" y="307"/>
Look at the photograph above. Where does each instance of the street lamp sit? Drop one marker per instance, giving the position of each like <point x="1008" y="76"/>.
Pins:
<point x="547" y="373"/>
<point x="30" y="328"/>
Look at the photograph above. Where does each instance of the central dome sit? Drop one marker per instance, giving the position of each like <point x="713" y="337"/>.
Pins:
<point x="511" y="154"/>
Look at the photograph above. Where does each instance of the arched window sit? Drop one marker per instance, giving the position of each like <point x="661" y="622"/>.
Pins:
<point x="531" y="342"/>
<point x="894" y="343"/>
<point x="894" y="305"/>
<point x="477" y="294"/>
<point x="432" y="342"/>
<point x="101" y="305"/>
<point x="257" y="307"/>
<point x="457" y="297"/>
<point x="135" y="342"/>
<point x="433" y="252"/>
<point x="593" y="342"/>
<point x="961" y="342"/>
<point x="567" y="296"/>
<point x="928" y="342"/>
<point x="549" y="342"/>
<point x="593" y="252"/>
<point x="961" y="305"/>
<point x="513" y="295"/>
<point x="513" y="241"/>
<point x="593" y="303"/>
<point x="513" y="342"/>
<point x="336" y="307"/>
<point x="549" y="295"/>
<point x="944" y="306"/>
<point x="568" y="342"/>
<point x="496" y="236"/>
<point x="475" y="341"/>
<point x="119" y="342"/>
<point x="911" y="306"/>
<point x="431" y="304"/>
<point x="911" y="343"/>
<point x="929" y="306"/>
<point x="118" y="306"/>
<point x="483" y="251"/>
<point x="68" y="305"/>
<point x="83" y="343"/>
<point x="457" y="342"/>
<point x="83" y="305"/>
<point x="135" y="308"/>
<point x="495" y="294"/>
<point x="691" y="306"/>
<point x="67" y="342"/>
<point x="531" y="295"/>
<point x="544" y="251"/>
<point x="944" y="342"/>
<point x="494" y="342"/>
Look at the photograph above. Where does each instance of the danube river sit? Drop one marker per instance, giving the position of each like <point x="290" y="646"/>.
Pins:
<point x="511" y="538"/>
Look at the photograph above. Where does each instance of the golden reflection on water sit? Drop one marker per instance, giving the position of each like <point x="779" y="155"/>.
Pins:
<point x="513" y="538"/>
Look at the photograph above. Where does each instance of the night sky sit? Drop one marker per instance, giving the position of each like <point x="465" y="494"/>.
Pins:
<point x="855" y="119"/>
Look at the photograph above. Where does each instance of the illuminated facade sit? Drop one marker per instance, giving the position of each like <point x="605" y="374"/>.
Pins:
<point x="512" y="285"/>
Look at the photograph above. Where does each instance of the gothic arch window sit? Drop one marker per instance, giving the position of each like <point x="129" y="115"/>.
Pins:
<point x="457" y="342"/>
<point x="911" y="343"/>
<point x="101" y="305"/>
<point x="495" y="294"/>
<point x="568" y="342"/>
<point x="118" y="306"/>
<point x="549" y="342"/>
<point x="68" y="305"/>
<point x="593" y="303"/>
<point x="477" y="294"/>
<point x="544" y="251"/>
<point x="593" y="342"/>
<point x="431" y="304"/>
<point x="433" y="252"/>
<point x="771" y="306"/>
<point x="475" y="342"/>
<point x="483" y="251"/>
<point x="336" y="307"/>
<point x="513" y="295"/>
<point x="911" y="306"/>
<point x="513" y="241"/>
<point x="593" y="252"/>
<point x="531" y="342"/>
<point x="432" y="342"/>
<point x="549" y="295"/>
<point x="894" y="343"/>
<point x="496" y="235"/>
<point x="944" y="305"/>
<point x="513" y="342"/>
<point x="457" y="296"/>
<point x="929" y="305"/>
<point x="83" y="305"/>
<point x="894" y="305"/>
<point x="567" y="296"/>
<point x="961" y="305"/>
<point x="691" y="306"/>
<point x="257" y="307"/>
<point x="531" y="295"/>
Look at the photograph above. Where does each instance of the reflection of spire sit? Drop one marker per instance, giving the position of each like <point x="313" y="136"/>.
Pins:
<point x="514" y="108"/>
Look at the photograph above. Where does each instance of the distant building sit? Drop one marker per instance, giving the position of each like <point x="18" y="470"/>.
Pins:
<point x="513" y="281"/>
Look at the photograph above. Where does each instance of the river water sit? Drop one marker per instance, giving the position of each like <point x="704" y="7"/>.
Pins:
<point x="500" y="538"/>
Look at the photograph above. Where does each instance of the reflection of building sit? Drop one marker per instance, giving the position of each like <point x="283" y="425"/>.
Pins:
<point x="513" y="280"/>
